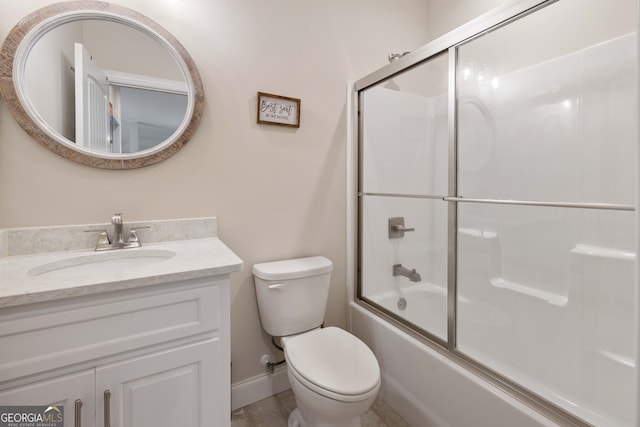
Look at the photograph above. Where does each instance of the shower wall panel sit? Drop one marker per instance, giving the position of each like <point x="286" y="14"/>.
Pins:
<point x="405" y="143"/>
<point x="561" y="130"/>
<point x="545" y="294"/>
<point x="424" y="250"/>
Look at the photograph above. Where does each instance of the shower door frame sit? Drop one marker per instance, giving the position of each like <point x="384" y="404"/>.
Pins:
<point x="448" y="43"/>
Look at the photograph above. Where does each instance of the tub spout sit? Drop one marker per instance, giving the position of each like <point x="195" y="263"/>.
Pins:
<point x="413" y="275"/>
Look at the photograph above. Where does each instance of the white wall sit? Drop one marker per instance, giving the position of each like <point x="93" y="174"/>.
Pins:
<point x="277" y="192"/>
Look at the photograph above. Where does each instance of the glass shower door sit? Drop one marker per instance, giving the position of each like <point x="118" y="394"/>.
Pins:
<point x="546" y="256"/>
<point x="497" y="209"/>
<point x="403" y="219"/>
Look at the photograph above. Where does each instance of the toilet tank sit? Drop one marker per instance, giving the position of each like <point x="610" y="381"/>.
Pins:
<point x="292" y="294"/>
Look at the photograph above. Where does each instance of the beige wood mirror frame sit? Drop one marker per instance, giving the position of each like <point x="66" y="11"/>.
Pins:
<point x="24" y="35"/>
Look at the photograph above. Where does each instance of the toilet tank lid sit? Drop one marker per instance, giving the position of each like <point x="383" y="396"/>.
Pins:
<point x="293" y="268"/>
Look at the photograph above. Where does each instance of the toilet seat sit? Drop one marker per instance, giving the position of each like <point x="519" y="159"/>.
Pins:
<point x="333" y="363"/>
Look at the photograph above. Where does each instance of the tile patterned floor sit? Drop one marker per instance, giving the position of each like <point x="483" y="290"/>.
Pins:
<point x="274" y="412"/>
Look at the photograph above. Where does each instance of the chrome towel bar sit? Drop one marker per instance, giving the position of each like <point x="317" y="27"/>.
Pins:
<point x="606" y="206"/>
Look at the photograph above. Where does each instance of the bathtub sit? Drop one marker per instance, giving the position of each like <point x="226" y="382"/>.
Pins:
<point x="423" y="305"/>
<point x="428" y="389"/>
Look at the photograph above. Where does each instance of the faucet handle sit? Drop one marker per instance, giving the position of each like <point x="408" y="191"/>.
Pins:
<point x="103" y="239"/>
<point x="133" y="236"/>
<point x="397" y="228"/>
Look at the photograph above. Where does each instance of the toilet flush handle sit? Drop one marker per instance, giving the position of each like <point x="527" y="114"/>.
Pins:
<point x="276" y="286"/>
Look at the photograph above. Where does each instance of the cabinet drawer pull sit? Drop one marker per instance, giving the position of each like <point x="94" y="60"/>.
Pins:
<point x="78" y="413"/>
<point x="107" y="408"/>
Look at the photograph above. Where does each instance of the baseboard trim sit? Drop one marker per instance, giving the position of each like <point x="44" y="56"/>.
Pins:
<point x="260" y="387"/>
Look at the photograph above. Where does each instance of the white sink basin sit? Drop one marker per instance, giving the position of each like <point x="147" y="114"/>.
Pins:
<point x="99" y="262"/>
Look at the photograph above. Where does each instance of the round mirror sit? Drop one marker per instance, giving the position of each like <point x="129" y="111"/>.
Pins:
<point x="100" y="84"/>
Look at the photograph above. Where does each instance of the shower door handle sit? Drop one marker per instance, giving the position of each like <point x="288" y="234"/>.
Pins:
<point x="397" y="228"/>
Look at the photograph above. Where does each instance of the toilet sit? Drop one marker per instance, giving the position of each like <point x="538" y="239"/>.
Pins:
<point x="334" y="376"/>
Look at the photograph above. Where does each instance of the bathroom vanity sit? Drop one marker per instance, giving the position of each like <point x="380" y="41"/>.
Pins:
<point x="132" y="337"/>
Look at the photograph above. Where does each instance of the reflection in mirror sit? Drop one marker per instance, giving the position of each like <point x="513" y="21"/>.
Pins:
<point x="104" y="85"/>
<point x="73" y="57"/>
<point x="144" y="117"/>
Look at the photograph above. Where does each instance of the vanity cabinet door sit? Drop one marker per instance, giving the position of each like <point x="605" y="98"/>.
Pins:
<point x="177" y="387"/>
<point x="60" y="391"/>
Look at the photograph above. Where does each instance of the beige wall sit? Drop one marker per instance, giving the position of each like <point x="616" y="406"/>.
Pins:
<point x="277" y="192"/>
<point x="446" y="15"/>
<point x="49" y="74"/>
<point x="100" y="37"/>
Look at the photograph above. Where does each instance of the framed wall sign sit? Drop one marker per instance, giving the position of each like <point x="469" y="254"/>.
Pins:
<point x="278" y="110"/>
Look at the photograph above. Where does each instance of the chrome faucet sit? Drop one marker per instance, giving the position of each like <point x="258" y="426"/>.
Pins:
<point x="117" y="242"/>
<point x="116" y="220"/>
<point x="413" y="275"/>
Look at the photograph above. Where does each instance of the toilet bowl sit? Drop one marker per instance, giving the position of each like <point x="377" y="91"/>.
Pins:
<point x="334" y="376"/>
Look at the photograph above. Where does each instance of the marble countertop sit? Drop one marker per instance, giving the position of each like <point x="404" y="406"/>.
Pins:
<point x="195" y="258"/>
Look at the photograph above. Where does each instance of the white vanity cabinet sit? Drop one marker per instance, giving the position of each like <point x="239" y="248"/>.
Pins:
<point x="163" y="389"/>
<point x="161" y="351"/>
<point x="64" y="390"/>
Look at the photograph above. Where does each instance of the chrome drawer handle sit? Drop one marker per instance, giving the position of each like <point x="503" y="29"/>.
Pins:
<point x="107" y="408"/>
<point x="78" y="413"/>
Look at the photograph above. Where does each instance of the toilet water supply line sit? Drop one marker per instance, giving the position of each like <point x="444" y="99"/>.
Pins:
<point x="271" y="366"/>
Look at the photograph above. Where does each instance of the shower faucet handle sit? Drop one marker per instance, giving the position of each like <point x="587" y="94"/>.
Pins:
<point x="397" y="228"/>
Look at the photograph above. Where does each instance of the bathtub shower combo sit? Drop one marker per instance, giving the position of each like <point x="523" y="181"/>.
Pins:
<point x="494" y="219"/>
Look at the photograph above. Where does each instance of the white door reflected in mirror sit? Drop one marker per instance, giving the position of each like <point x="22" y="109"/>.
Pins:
<point x="92" y="103"/>
<point x="119" y="113"/>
